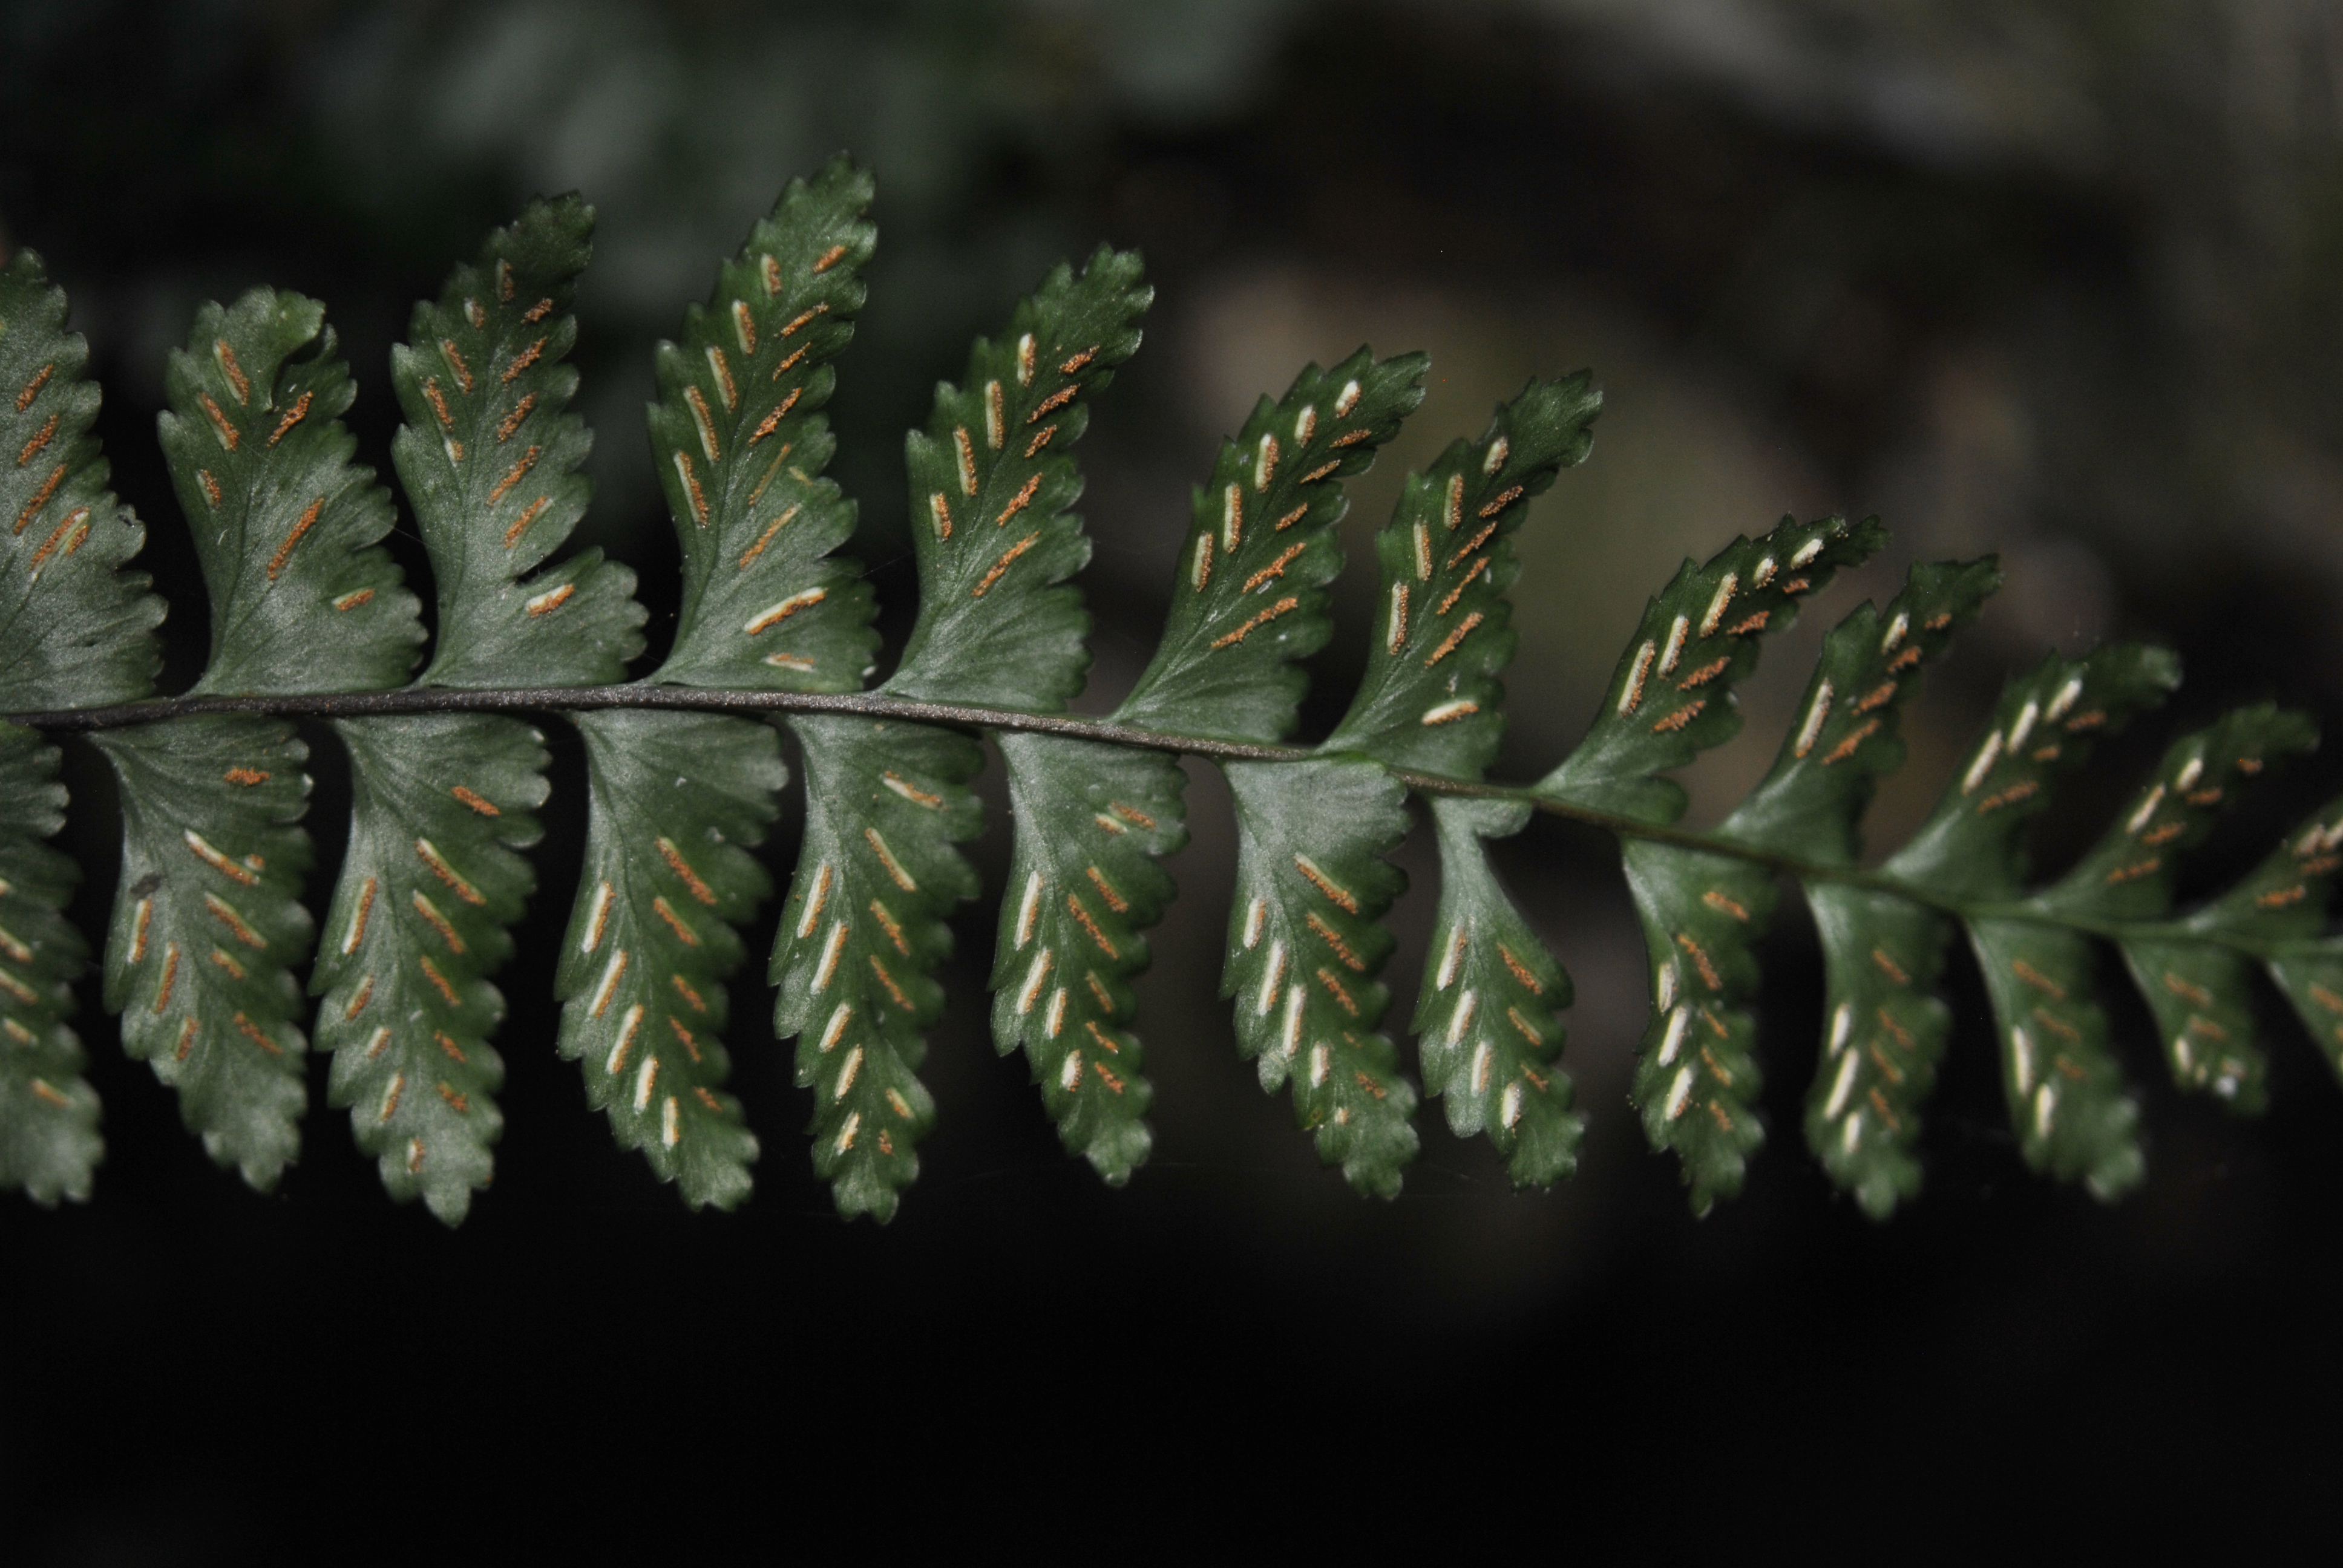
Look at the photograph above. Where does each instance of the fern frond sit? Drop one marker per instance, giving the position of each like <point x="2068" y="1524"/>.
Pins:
<point x="1251" y="596"/>
<point x="1696" y="1074"/>
<point x="75" y="629"/>
<point x="1430" y="696"/>
<point x="742" y="444"/>
<point x="489" y="457"/>
<point x="676" y="801"/>
<point x="2280" y="909"/>
<point x="991" y="483"/>
<point x="1092" y="823"/>
<point x="285" y="526"/>
<point x="2064" y="1091"/>
<point x="862" y="934"/>
<point x="1881" y="956"/>
<point x="208" y="927"/>
<point x="429" y="888"/>
<point x="1671" y="698"/>
<point x="684" y="770"/>
<point x="1305" y="949"/>
<point x="2202" y="1007"/>
<point x="431" y="883"/>
<point x="1489" y="1015"/>
<point x="49" y="1142"/>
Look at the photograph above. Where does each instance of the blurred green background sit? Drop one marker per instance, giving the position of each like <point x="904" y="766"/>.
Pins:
<point x="2059" y="281"/>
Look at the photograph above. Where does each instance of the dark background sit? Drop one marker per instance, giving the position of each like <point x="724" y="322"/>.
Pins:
<point x="2057" y="280"/>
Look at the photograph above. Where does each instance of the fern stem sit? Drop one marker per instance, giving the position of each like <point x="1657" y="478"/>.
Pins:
<point x="963" y="716"/>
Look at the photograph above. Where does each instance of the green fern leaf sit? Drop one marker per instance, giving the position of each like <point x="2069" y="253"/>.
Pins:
<point x="489" y="458"/>
<point x="741" y="447"/>
<point x="49" y="1142"/>
<point x="1250" y="596"/>
<point x="285" y="523"/>
<point x="1884" y="1028"/>
<point x="208" y="925"/>
<point x="1810" y="802"/>
<point x="2203" y="1005"/>
<point x="1429" y="697"/>
<point x="862" y="933"/>
<point x="1672" y="695"/>
<point x="2128" y="875"/>
<point x="1883" y="1037"/>
<point x="1429" y="701"/>
<point x="309" y="620"/>
<point x="1251" y="599"/>
<point x="1696" y="1077"/>
<point x="429" y="885"/>
<point x="2279" y="910"/>
<point x="678" y="801"/>
<point x="1696" y="1074"/>
<point x="1092" y="822"/>
<point x="74" y="629"/>
<point x="990" y="485"/>
<point x="1087" y="831"/>
<point x="2064" y="1091"/>
<point x="1305" y="947"/>
<point x="428" y="890"/>
<point x="1488" y="1016"/>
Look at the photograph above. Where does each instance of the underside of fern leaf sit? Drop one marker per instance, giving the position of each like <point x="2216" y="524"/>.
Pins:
<point x="209" y="936"/>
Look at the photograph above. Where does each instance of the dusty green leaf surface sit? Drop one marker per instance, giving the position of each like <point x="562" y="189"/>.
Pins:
<point x="2200" y="994"/>
<point x="49" y="1142"/>
<point x="1697" y="1081"/>
<point x="1250" y="594"/>
<point x="207" y="927"/>
<point x="1972" y="845"/>
<point x="429" y="885"/>
<point x="676" y="801"/>
<point x="1696" y="1077"/>
<point x="209" y="932"/>
<point x="1429" y="699"/>
<point x="1306" y="946"/>
<point x="1488" y="1019"/>
<point x="1884" y="1028"/>
<point x="489" y="459"/>
<point x="2129" y="874"/>
<point x="1810" y="803"/>
<point x="742" y="444"/>
<point x="73" y="630"/>
<point x="2064" y="1090"/>
<point x="992" y="483"/>
<point x="285" y="525"/>
<point x="2281" y="907"/>
<point x="1671" y="698"/>
<point x="861" y="933"/>
<point x="1883" y="1032"/>
<point x="2068" y="1101"/>
<point x="1092" y="823"/>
